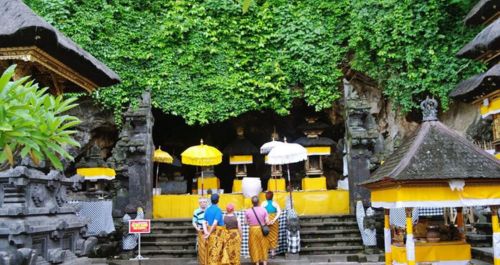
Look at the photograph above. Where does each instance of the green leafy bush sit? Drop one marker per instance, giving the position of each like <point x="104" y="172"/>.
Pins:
<point x="210" y="60"/>
<point x="33" y="122"/>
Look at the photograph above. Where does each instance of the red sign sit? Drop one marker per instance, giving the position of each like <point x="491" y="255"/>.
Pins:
<point x="139" y="226"/>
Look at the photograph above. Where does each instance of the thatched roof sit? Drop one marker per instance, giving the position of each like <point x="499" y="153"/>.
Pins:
<point x="20" y="27"/>
<point x="435" y="152"/>
<point x="319" y="141"/>
<point x="478" y="85"/>
<point x="483" y="12"/>
<point x="486" y="40"/>
<point x="240" y="146"/>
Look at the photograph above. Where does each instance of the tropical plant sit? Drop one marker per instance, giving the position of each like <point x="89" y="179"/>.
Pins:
<point x="33" y="123"/>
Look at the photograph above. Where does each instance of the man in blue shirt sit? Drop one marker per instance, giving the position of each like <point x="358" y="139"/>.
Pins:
<point x="214" y="231"/>
<point x="198" y="221"/>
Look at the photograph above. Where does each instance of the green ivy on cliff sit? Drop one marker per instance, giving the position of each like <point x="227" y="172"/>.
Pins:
<point x="208" y="61"/>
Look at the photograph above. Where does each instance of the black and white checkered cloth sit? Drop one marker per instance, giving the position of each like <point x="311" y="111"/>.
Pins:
<point x="282" y="237"/>
<point x="430" y="211"/>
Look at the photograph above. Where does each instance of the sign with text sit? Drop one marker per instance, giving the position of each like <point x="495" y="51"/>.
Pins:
<point x="139" y="226"/>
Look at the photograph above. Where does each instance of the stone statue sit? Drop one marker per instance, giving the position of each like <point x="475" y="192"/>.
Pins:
<point x="429" y="109"/>
<point x="366" y="224"/>
<point x="129" y="241"/>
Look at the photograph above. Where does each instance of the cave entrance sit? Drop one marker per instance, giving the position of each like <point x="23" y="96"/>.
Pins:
<point x="174" y="136"/>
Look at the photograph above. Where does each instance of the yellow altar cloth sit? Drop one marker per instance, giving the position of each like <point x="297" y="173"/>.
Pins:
<point x="457" y="251"/>
<point x="237" y="185"/>
<point x="209" y="183"/>
<point x="276" y="185"/>
<point x="314" y="183"/>
<point x="305" y="203"/>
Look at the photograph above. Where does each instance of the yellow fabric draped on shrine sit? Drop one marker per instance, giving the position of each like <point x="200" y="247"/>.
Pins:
<point x="257" y="244"/>
<point x="428" y="252"/>
<point x="309" y="184"/>
<point x="276" y="184"/>
<point x="492" y="108"/>
<point x="208" y="183"/>
<point x="92" y="173"/>
<point x="436" y="196"/>
<point x="305" y="203"/>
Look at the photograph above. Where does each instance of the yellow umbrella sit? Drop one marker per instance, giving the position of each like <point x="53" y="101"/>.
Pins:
<point x="201" y="155"/>
<point x="161" y="156"/>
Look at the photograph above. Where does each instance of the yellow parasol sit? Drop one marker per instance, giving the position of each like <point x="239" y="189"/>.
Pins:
<point x="201" y="155"/>
<point x="161" y="156"/>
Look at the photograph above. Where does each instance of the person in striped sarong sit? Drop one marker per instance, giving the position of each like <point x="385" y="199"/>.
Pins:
<point x="214" y="232"/>
<point x="198" y="220"/>
<point x="274" y="211"/>
<point x="257" y="242"/>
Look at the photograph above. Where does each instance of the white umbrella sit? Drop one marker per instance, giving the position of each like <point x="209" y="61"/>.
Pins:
<point x="267" y="147"/>
<point x="287" y="153"/>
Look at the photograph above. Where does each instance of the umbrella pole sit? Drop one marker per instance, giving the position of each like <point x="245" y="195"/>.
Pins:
<point x="290" y="185"/>
<point x="202" y="182"/>
<point x="157" y="170"/>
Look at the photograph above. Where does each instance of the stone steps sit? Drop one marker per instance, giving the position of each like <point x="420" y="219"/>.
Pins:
<point x="320" y="235"/>
<point x="330" y="235"/>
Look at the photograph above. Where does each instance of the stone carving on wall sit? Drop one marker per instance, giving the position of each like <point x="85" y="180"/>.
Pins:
<point x="361" y="136"/>
<point x="132" y="158"/>
<point x="37" y="223"/>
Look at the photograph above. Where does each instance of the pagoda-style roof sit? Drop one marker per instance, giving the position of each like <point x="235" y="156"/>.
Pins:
<point x="317" y="141"/>
<point x="485" y="45"/>
<point x="432" y="153"/>
<point x="240" y="146"/>
<point x="478" y="85"/>
<point x="483" y="12"/>
<point x="27" y="37"/>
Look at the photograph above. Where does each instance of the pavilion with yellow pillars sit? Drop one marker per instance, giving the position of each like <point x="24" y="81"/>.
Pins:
<point x="435" y="167"/>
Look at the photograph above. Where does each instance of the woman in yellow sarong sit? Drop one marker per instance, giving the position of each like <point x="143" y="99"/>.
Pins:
<point x="274" y="211"/>
<point x="232" y="241"/>
<point x="257" y="242"/>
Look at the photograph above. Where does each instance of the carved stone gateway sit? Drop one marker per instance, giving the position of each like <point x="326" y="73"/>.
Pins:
<point x="37" y="224"/>
<point x="361" y="135"/>
<point x="133" y="157"/>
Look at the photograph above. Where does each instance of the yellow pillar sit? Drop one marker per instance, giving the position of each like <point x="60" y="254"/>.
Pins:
<point x="410" y="243"/>
<point x="387" y="238"/>
<point x="496" y="235"/>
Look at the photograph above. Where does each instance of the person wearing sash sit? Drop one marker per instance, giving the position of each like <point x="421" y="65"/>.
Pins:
<point x="198" y="220"/>
<point x="232" y="244"/>
<point x="214" y="232"/>
<point x="257" y="243"/>
<point x="274" y="211"/>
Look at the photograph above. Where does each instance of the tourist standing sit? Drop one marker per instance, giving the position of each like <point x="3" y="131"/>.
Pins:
<point x="232" y="244"/>
<point x="274" y="211"/>
<point x="198" y="220"/>
<point x="258" y="244"/>
<point x="214" y="231"/>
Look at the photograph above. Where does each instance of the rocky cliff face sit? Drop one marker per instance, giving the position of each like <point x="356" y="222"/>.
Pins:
<point x="393" y="126"/>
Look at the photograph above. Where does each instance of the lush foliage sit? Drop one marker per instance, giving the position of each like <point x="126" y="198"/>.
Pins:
<point x="209" y="60"/>
<point x="32" y="122"/>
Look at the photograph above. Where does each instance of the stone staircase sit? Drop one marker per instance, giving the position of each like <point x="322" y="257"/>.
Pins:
<point x="170" y="238"/>
<point x="330" y="234"/>
<point x="320" y="235"/>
